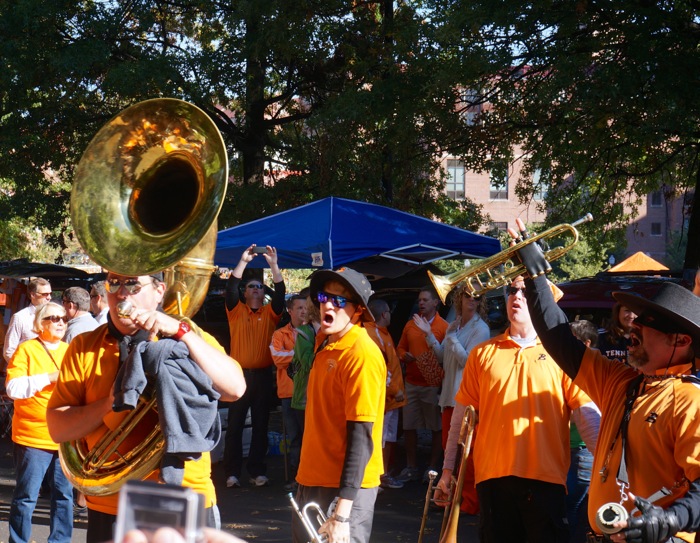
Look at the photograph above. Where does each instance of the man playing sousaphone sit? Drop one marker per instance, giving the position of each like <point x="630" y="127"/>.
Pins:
<point x="82" y="403"/>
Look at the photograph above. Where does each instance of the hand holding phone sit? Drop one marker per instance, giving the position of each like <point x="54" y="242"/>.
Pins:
<point x="259" y="250"/>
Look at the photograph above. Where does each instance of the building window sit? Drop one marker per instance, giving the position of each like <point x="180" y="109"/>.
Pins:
<point x="656" y="229"/>
<point x="471" y="104"/>
<point x="499" y="226"/>
<point x="454" y="186"/>
<point x="540" y="187"/>
<point x="655" y="199"/>
<point x="498" y="181"/>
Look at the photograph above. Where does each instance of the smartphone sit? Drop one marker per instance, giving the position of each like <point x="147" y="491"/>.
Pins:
<point x="147" y="506"/>
<point x="259" y="250"/>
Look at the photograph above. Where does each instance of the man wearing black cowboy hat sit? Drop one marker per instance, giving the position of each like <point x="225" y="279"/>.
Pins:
<point x="648" y="453"/>
<point x="341" y="453"/>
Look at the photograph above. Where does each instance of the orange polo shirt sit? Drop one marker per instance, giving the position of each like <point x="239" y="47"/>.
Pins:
<point x="347" y="382"/>
<point x="251" y="332"/>
<point x="88" y="372"/>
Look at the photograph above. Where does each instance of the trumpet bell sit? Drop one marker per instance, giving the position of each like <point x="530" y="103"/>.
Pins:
<point x="170" y="160"/>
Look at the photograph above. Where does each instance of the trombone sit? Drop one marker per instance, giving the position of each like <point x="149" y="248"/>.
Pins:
<point x="502" y="268"/>
<point x="450" y="521"/>
<point x="307" y="520"/>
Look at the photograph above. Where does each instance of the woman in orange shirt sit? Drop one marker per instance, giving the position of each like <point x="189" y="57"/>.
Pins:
<point x="31" y="377"/>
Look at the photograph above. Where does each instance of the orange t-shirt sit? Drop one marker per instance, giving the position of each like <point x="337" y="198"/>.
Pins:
<point x="524" y="402"/>
<point x="282" y="349"/>
<point x="413" y="341"/>
<point x="29" y="420"/>
<point x="347" y="382"/>
<point x="88" y="372"/>
<point x="251" y="332"/>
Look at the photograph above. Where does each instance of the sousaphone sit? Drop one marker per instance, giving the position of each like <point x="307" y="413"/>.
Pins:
<point x="145" y="199"/>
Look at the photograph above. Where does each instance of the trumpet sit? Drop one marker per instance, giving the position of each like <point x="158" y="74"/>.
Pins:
<point x="502" y="268"/>
<point x="307" y="521"/>
<point x="450" y="521"/>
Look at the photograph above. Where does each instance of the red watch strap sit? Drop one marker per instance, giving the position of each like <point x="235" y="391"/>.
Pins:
<point x="181" y="331"/>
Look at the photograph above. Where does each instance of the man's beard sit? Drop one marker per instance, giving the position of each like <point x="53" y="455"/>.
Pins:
<point x="639" y="359"/>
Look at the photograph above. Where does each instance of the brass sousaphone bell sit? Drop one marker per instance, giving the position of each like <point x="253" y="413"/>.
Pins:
<point x="145" y="199"/>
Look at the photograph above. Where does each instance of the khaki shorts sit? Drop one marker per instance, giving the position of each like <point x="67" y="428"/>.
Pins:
<point x="421" y="410"/>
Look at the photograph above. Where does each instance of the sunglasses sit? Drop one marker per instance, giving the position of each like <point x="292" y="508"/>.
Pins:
<point x="55" y="319"/>
<point x="132" y="286"/>
<point x="338" y="301"/>
<point x="657" y="324"/>
<point x="512" y="291"/>
<point x="43" y="294"/>
<point x="254" y="285"/>
<point x="94" y="295"/>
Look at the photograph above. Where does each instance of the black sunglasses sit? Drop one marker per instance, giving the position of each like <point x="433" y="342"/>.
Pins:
<point x="55" y="319"/>
<point x="512" y="291"/>
<point x="254" y="285"/>
<point x="132" y="286"/>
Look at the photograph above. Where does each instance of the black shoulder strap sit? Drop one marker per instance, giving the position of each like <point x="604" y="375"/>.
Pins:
<point x="632" y="393"/>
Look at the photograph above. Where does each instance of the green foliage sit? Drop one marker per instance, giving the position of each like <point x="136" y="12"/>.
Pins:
<point x="676" y="250"/>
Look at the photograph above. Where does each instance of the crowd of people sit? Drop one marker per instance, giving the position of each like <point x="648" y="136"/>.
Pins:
<point x="570" y="420"/>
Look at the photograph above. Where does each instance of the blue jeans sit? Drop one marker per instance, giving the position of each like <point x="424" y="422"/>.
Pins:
<point x="577" y="482"/>
<point x="30" y="467"/>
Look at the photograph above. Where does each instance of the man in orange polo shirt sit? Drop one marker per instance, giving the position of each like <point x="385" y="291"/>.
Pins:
<point x="421" y="410"/>
<point x="341" y="454"/>
<point x="251" y="325"/>
<point x="81" y="403"/>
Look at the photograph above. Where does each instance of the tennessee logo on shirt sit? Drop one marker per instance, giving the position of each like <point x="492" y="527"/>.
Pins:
<point x="330" y="365"/>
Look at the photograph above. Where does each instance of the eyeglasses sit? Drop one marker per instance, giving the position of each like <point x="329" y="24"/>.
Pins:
<point x="254" y="285"/>
<point x="132" y="286"/>
<point x="338" y="301"/>
<point x="55" y="319"/>
<point x="512" y="291"/>
<point x="650" y="321"/>
<point x="43" y="294"/>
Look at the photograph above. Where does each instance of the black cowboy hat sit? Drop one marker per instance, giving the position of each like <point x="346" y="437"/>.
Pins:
<point x="673" y="305"/>
<point x="355" y="282"/>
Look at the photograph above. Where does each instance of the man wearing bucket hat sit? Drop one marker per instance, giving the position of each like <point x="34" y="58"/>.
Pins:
<point x="648" y="453"/>
<point x="341" y="454"/>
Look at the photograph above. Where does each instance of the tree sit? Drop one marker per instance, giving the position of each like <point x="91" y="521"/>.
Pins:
<point x="598" y="95"/>
<point x="332" y="97"/>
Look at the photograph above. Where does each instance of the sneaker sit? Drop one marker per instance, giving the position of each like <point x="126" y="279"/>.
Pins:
<point x="260" y="480"/>
<point x="79" y="510"/>
<point x="389" y="482"/>
<point x="233" y="482"/>
<point x="408" y="474"/>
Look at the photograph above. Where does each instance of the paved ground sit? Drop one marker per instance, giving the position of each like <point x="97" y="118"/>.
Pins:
<point x="264" y="514"/>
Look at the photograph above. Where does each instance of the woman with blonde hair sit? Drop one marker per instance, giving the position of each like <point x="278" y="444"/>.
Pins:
<point x="467" y="330"/>
<point x="31" y="377"/>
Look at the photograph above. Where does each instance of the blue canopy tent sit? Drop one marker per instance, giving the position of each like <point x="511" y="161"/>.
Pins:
<point x="334" y="232"/>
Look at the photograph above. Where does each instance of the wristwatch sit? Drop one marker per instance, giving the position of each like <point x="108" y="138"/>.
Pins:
<point x="181" y="331"/>
<point x="338" y="518"/>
